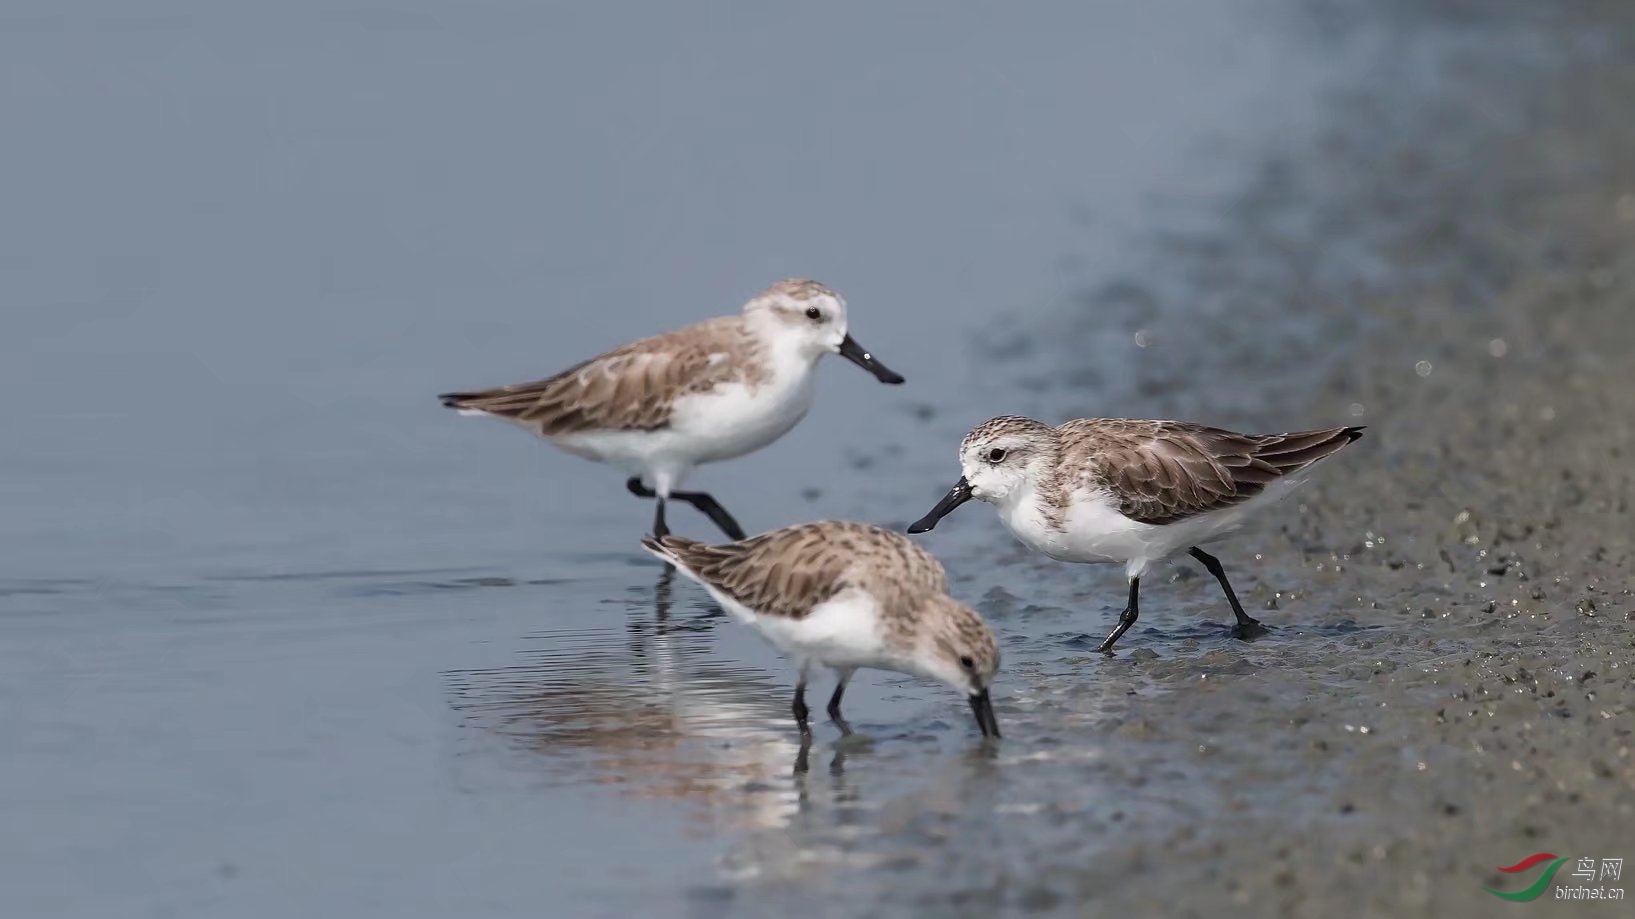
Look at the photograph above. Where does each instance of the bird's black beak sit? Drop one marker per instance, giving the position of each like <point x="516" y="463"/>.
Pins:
<point x="852" y="351"/>
<point x="982" y="707"/>
<point x="959" y="494"/>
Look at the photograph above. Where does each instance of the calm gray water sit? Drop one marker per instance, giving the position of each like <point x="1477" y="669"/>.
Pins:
<point x="279" y="636"/>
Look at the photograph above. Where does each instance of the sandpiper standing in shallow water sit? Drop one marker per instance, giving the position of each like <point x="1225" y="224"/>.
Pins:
<point x="1134" y="492"/>
<point x="707" y="392"/>
<point x="845" y="596"/>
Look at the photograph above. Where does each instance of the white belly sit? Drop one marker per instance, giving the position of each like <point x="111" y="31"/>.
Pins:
<point x="728" y="421"/>
<point x="734" y="419"/>
<point x="843" y="632"/>
<point x="1094" y="531"/>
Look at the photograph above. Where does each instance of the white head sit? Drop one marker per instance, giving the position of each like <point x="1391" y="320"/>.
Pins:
<point x="811" y="319"/>
<point x="955" y="646"/>
<point x="1001" y="459"/>
<point x="1004" y="455"/>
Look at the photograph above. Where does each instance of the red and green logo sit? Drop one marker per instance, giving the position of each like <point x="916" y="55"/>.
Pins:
<point x="1539" y="886"/>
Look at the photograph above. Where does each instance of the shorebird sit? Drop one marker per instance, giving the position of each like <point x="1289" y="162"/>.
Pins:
<point x="711" y="391"/>
<point x="1130" y="492"/>
<point x="845" y="596"/>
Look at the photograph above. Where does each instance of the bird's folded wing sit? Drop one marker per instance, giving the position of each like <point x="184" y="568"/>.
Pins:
<point x="631" y="388"/>
<point x="790" y="571"/>
<point x="1161" y="472"/>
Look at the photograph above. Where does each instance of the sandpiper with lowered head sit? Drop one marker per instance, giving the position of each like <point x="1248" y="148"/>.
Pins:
<point x="845" y="596"/>
<point x="710" y="391"/>
<point x="1131" y="492"/>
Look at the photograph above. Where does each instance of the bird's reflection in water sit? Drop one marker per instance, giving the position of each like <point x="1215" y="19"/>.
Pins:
<point x="652" y="706"/>
<point x="649" y="705"/>
<point x="837" y="763"/>
<point x="818" y="798"/>
<point x="860" y="809"/>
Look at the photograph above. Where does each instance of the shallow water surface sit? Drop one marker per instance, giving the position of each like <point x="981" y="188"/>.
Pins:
<point x="279" y="636"/>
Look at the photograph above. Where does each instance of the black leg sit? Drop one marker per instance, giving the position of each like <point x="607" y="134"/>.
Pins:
<point x="703" y="500"/>
<point x="834" y="702"/>
<point x="712" y="509"/>
<point x="803" y="756"/>
<point x="1131" y="613"/>
<point x="800" y="709"/>
<point x="1246" y="627"/>
<point x="634" y="483"/>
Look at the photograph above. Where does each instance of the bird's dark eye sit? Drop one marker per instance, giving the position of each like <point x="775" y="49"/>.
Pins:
<point x="966" y="662"/>
<point x="997" y="454"/>
<point x="814" y="314"/>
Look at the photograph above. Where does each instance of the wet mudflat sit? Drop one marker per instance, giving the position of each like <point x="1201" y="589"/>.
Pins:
<point x="1448" y="684"/>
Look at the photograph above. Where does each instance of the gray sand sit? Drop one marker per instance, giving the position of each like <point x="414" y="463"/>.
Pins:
<point x="1449" y="684"/>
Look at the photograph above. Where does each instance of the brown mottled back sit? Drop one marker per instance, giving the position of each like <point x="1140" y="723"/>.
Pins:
<point x="1164" y="471"/>
<point x="631" y="388"/>
<point x="790" y="571"/>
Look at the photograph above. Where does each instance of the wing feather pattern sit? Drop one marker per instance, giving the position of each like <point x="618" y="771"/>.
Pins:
<point x="789" y="572"/>
<point x="1164" y="471"/>
<point x="631" y="388"/>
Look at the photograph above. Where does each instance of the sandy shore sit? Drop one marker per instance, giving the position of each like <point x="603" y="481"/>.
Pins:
<point x="1450" y="687"/>
<point x="1465" y="695"/>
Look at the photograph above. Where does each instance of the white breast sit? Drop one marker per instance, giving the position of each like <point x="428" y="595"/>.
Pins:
<point x="737" y="418"/>
<point x="727" y="421"/>
<point x="842" y="632"/>
<point x="1093" y="530"/>
<point x="734" y="419"/>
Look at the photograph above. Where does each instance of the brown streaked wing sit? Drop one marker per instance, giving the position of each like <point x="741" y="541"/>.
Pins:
<point x="1164" y="471"/>
<point x="790" y="571"/>
<point x="631" y="388"/>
